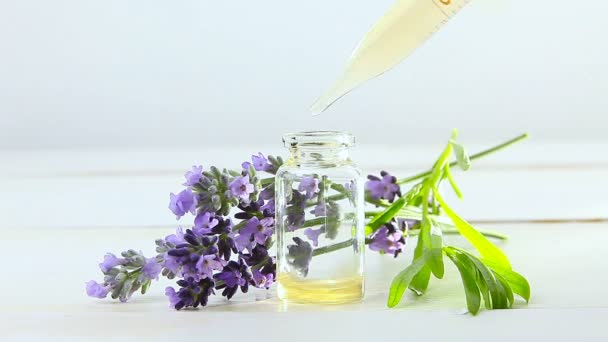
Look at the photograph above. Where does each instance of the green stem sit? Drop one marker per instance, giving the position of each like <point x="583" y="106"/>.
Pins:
<point x="331" y="198"/>
<point x="239" y="226"/>
<point x="267" y="181"/>
<point x="372" y="213"/>
<point x="436" y="174"/>
<point x="451" y="231"/>
<point x="381" y="203"/>
<point x="348" y="243"/>
<point x="332" y="248"/>
<point x="324" y="221"/>
<point x="316" y="222"/>
<point x="472" y="157"/>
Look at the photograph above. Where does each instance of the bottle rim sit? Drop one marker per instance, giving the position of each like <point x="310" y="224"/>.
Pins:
<point x="319" y="139"/>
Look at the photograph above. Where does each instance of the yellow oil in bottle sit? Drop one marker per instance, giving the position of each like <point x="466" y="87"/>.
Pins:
<point x="334" y="291"/>
<point x="394" y="37"/>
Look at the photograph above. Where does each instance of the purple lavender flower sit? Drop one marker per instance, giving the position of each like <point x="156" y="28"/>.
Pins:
<point x="110" y="261"/>
<point x="261" y="262"/>
<point x="151" y="269"/>
<point x="240" y="187"/>
<point x="295" y="219"/>
<point x="171" y="263"/>
<point x="385" y="188"/>
<point x="193" y="176"/>
<point x="174" y="298"/>
<point x="184" y="260"/>
<point x="388" y="240"/>
<point x="267" y="193"/>
<point x="350" y="186"/>
<point x="313" y="235"/>
<point x="248" y="209"/>
<point x="268" y="208"/>
<point x="260" y="162"/>
<point x="244" y="242"/>
<point x="203" y="223"/>
<point x="177" y="238"/>
<point x="212" y="191"/>
<point x="231" y="278"/>
<point x="295" y="211"/>
<point x="263" y="281"/>
<point x="259" y="229"/>
<point x="300" y="255"/>
<point x="226" y="246"/>
<point x="207" y="263"/>
<point x="183" y="202"/>
<point x="234" y="275"/>
<point x="310" y="185"/>
<point x="407" y="224"/>
<point x="125" y="276"/>
<point x="320" y="210"/>
<point x="97" y="290"/>
<point x="191" y="294"/>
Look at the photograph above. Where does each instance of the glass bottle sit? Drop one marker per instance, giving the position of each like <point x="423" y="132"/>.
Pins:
<point x="320" y="220"/>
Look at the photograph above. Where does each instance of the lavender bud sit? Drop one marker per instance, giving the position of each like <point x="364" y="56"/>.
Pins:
<point x="120" y="277"/>
<point x="178" y="252"/>
<point x="194" y="257"/>
<point x="191" y="239"/>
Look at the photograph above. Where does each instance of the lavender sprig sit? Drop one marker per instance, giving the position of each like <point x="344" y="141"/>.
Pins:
<point x="124" y="276"/>
<point x="230" y="253"/>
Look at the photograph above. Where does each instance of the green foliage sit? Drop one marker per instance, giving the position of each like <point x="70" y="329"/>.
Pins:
<point x="402" y="281"/>
<point x="385" y="216"/>
<point x="468" y="274"/>
<point x="489" y="279"/>
<point x="462" y="158"/>
<point x="486" y="248"/>
<point x="495" y="285"/>
<point x="518" y="283"/>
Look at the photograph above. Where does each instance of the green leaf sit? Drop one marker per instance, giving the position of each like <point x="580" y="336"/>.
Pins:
<point x="485" y="292"/>
<point x="502" y="301"/>
<point x="263" y="181"/>
<point x="402" y="281"/>
<point x="497" y="298"/>
<point x="125" y="291"/>
<point x="435" y="261"/>
<point x="469" y="281"/>
<point x="421" y="281"/>
<point x="518" y="283"/>
<point x="507" y="288"/>
<point x="486" y="248"/>
<point x="455" y="187"/>
<point x="437" y="172"/>
<point x="386" y="215"/>
<point x="145" y="287"/>
<point x="497" y="293"/>
<point x="462" y="158"/>
<point x="414" y="195"/>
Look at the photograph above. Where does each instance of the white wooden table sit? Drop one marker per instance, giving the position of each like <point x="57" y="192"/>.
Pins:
<point x="60" y="211"/>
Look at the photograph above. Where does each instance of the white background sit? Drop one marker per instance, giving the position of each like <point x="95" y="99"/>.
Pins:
<point x="203" y="73"/>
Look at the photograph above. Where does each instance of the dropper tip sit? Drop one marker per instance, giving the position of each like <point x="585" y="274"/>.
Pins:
<point x="318" y="107"/>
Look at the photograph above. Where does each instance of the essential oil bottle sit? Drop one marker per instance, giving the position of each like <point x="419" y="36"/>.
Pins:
<point x="320" y="220"/>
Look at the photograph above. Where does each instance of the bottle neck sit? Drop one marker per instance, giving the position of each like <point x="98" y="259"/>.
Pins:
<point x="319" y="156"/>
